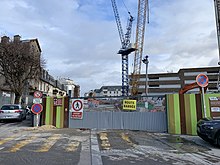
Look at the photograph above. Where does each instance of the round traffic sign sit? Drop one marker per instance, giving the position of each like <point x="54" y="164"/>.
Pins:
<point x="37" y="94"/>
<point x="77" y="105"/>
<point x="37" y="108"/>
<point x="202" y="80"/>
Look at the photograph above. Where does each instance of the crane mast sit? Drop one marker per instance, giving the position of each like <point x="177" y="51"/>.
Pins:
<point x="126" y="47"/>
<point x="140" y="29"/>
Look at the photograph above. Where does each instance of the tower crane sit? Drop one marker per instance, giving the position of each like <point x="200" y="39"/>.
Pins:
<point x="126" y="47"/>
<point x="140" y="29"/>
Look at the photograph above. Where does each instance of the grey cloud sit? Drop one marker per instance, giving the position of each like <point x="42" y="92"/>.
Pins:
<point x="79" y="38"/>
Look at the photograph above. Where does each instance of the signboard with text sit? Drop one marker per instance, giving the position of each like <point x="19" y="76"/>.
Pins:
<point x="129" y="104"/>
<point x="37" y="100"/>
<point x="214" y="104"/>
<point x="57" y="101"/>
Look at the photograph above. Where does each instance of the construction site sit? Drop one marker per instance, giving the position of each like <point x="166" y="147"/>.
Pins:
<point x="134" y="82"/>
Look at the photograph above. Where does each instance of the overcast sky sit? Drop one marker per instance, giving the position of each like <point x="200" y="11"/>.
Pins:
<point x="79" y="38"/>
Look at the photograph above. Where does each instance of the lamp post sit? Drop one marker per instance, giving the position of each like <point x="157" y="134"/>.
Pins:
<point x="146" y="61"/>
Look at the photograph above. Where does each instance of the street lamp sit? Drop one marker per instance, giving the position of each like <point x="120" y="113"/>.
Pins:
<point x="146" y="61"/>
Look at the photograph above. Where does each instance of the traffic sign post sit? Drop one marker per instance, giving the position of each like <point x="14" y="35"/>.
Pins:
<point x="36" y="109"/>
<point x="77" y="109"/>
<point x="203" y="81"/>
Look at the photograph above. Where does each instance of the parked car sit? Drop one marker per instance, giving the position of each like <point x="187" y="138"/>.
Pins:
<point x="12" y="111"/>
<point x="209" y="130"/>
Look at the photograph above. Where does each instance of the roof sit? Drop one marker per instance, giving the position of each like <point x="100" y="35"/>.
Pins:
<point x="111" y="87"/>
<point x="33" y="40"/>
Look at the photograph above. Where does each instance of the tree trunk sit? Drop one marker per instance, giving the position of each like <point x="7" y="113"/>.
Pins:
<point x="17" y="98"/>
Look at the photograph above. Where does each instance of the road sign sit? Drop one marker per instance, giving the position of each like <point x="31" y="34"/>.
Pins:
<point x="129" y="104"/>
<point x="77" y="115"/>
<point x="202" y="80"/>
<point x="37" y="108"/>
<point x="38" y="94"/>
<point x="57" y="101"/>
<point x="37" y="100"/>
<point x="77" y="105"/>
<point x="77" y="109"/>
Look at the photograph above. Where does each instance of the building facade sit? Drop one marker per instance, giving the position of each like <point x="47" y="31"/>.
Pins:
<point x="105" y="91"/>
<point x="45" y="83"/>
<point x="169" y="83"/>
<point x="72" y="89"/>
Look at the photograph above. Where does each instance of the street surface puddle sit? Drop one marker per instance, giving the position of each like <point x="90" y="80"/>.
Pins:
<point x="175" y="139"/>
<point x="183" y="145"/>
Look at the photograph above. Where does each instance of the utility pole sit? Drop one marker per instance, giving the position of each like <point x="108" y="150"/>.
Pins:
<point x="146" y="61"/>
<point x="217" y="19"/>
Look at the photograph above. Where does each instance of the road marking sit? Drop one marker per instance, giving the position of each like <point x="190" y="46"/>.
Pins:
<point x="72" y="146"/>
<point x="85" y="154"/>
<point x="48" y="143"/>
<point x="96" y="155"/>
<point x="21" y="144"/>
<point x="5" y="140"/>
<point x="126" y="138"/>
<point x="104" y="141"/>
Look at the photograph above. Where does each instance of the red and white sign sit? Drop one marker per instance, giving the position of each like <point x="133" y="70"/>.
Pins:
<point x="77" y="115"/>
<point x="37" y="108"/>
<point x="57" y="101"/>
<point x="77" y="109"/>
<point x="38" y="94"/>
<point x="77" y="104"/>
<point x="202" y="80"/>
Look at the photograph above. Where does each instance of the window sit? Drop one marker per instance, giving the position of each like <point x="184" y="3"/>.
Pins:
<point x="9" y="107"/>
<point x="154" y="86"/>
<point x="193" y="73"/>
<point x="169" y="78"/>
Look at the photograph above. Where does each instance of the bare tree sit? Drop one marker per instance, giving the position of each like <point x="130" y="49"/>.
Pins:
<point x="20" y="63"/>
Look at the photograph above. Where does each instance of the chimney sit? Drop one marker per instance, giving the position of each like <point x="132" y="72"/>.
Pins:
<point x="5" y="39"/>
<point x="17" y="38"/>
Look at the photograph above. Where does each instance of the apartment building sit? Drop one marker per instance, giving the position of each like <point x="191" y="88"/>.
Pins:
<point x="106" y="91"/>
<point x="168" y="83"/>
<point x="46" y="83"/>
<point x="49" y="86"/>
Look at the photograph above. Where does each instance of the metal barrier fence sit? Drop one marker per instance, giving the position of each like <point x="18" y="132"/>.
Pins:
<point x="142" y="113"/>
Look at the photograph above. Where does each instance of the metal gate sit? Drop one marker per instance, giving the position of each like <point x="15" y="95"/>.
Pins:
<point x="111" y="113"/>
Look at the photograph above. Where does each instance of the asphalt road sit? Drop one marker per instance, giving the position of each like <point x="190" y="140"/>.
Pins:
<point x="21" y="144"/>
<point x="140" y="148"/>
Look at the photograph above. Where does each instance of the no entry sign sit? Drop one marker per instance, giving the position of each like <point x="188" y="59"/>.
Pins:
<point x="37" y="108"/>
